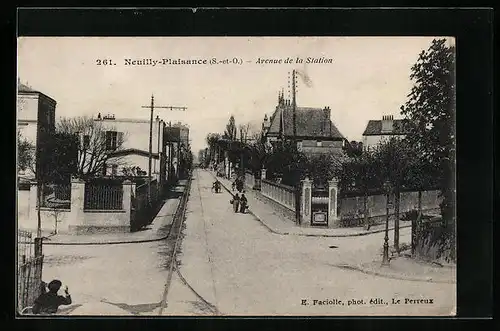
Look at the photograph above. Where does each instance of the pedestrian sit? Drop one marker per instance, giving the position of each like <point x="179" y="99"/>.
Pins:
<point x="243" y="203"/>
<point x="233" y="186"/>
<point x="235" y="201"/>
<point x="49" y="302"/>
<point x="239" y="185"/>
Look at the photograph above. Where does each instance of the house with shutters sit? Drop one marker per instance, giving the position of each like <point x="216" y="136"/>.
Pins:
<point x="378" y="131"/>
<point x="127" y="145"/>
<point x="315" y="131"/>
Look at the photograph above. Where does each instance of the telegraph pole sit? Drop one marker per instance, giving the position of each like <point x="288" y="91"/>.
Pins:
<point x="152" y="108"/>
<point x="294" y="140"/>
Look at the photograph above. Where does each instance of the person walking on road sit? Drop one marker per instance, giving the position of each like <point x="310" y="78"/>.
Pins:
<point x="235" y="202"/>
<point x="243" y="203"/>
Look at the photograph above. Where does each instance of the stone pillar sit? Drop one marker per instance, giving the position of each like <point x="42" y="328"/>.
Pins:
<point x="333" y="220"/>
<point x="305" y="210"/>
<point x="128" y="188"/>
<point x="77" y="216"/>
<point x="263" y="173"/>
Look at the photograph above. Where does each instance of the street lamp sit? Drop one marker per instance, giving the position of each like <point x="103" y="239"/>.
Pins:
<point x="387" y="190"/>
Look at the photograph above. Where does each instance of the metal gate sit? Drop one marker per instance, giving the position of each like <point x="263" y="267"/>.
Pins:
<point x="29" y="269"/>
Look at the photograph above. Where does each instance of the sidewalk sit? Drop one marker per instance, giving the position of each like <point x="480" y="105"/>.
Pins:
<point x="406" y="268"/>
<point x="153" y="232"/>
<point x="276" y="221"/>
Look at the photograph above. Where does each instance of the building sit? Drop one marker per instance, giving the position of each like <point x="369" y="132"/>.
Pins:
<point x="127" y="145"/>
<point x="316" y="133"/>
<point x="35" y="119"/>
<point x="175" y="144"/>
<point x="378" y="131"/>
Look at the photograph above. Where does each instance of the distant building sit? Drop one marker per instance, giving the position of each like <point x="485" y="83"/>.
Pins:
<point x="378" y="131"/>
<point x="316" y="133"/>
<point x="35" y="119"/>
<point x="175" y="144"/>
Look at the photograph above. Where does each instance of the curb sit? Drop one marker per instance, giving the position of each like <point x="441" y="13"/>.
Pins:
<point x="310" y="234"/>
<point x="390" y="276"/>
<point x="117" y="242"/>
<point x="111" y="242"/>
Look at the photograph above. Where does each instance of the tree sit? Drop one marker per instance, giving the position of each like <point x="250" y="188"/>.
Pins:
<point x="420" y="175"/>
<point x="96" y="147"/>
<point x="429" y="112"/>
<point x="354" y="148"/>
<point x="25" y="151"/>
<point x="322" y="168"/>
<point x="230" y="132"/>
<point x="394" y="161"/>
<point x="212" y="140"/>
<point x="54" y="161"/>
<point x="287" y="162"/>
<point x="361" y="172"/>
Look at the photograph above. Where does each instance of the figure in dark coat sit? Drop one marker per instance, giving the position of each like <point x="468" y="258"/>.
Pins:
<point x="243" y="203"/>
<point x="239" y="185"/>
<point x="49" y="302"/>
<point x="236" y="202"/>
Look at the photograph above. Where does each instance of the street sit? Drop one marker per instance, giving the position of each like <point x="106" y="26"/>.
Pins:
<point x="235" y="266"/>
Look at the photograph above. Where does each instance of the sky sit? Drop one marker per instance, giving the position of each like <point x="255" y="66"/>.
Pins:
<point x="367" y="78"/>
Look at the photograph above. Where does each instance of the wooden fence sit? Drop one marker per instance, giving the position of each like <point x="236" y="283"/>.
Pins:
<point x="29" y="269"/>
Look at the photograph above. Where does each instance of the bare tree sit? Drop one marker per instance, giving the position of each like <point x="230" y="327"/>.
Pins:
<point x="244" y="130"/>
<point x="97" y="143"/>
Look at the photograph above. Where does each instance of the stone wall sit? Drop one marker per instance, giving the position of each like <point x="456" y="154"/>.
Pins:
<point x="376" y="205"/>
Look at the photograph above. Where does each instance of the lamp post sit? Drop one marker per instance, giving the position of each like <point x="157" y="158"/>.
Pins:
<point x="385" y="258"/>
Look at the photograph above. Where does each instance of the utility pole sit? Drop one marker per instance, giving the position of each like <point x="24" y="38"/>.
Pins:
<point x="294" y="141"/>
<point x="152" y="108"/>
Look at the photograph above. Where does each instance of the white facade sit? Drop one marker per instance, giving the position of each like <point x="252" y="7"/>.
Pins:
<point x="135" y="144"/>
<point x="370" y="142"/>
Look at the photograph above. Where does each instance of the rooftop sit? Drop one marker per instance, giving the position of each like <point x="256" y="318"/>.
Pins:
<point x="310" y="122"/>
<point x="374" y="128"/>
<point x="24" y="88"/>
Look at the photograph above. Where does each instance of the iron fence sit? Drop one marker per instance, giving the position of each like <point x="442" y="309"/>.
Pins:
<point x="103" y="196"/>
<point x="56" y="195"/>
<point x="29" y="269"/>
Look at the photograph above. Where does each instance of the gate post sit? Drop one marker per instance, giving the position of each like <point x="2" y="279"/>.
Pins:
<point x="305" y="211"/>
<point x="332" y="203"/>
<point x="77" y="216"/>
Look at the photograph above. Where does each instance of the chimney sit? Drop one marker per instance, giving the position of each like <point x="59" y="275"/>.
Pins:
<point x="387" y="123"/>
<point x="326" y="122"/>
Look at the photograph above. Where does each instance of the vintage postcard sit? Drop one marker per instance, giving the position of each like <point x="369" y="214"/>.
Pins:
<point x="236" y="176"/>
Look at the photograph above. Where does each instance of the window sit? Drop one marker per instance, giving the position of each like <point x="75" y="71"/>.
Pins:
<point x="104" y="169"/>
<point x="111" y="140"/>
<point x="114" y="169"/>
